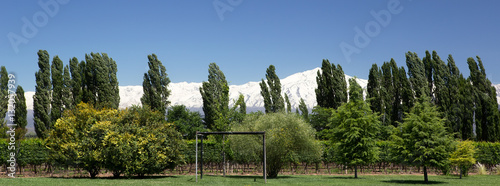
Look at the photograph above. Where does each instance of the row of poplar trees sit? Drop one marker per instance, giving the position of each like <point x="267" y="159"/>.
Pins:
<point x="20" y="116"/>
<point x="469" y="105"/>
<point x="60" y="87"/>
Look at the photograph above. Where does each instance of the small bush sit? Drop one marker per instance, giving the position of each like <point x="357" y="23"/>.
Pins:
<point x="481" y="169"/>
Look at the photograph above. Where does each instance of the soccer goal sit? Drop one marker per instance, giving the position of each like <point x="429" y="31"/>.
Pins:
<point x="201" y="134"/>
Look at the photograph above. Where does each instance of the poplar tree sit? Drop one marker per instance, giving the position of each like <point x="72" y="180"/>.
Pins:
<point x="41" y="99"/>
<point x="271" y="92"/>
<point x="76" y="81"/>
<point x="100" y="85"/>
<point x="417" y="74"/>
<point x="20" y="118"/>
<point x="215" y="95"/>
<point x="67" y="99"/>
<point x="332" y="86"/>
<point x="57" y="88"/>
<point x="374" y="89"/>
<point x="487" y="118"/>
<point x="288" y="104"/>
<point x="4" y="81"/>
<point x="303" y="110"/>
<point x="155" y="85"/>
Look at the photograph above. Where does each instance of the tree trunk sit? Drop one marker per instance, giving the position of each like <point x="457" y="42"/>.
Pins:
<point x="355" y="171"/>
<point x="426" y="180"/>
<point x="460" y="172"/>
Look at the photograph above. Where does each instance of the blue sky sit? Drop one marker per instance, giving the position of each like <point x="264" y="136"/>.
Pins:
<point x="245" y="36"/>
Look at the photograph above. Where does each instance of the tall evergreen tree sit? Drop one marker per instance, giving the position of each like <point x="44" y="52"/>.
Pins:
<point x="407" y="96"/>
<point x="429" y="68"/>
<point x="57" y="88"/>
<point x="332" y="86"/>
<point x="155" y="85"/>
<point x="41" y="99"/>
<point x="215" y="95"/>
<point x="20" y="118"/>
<point x="388" y="94"/>
<point x="76" y="81"/>
<point x="271" y="92"/>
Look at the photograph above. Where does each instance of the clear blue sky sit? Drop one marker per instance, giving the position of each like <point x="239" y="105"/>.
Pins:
<point x="248" y="36"/>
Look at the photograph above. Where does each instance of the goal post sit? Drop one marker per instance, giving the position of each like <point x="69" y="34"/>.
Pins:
<point x="201" y="134"/>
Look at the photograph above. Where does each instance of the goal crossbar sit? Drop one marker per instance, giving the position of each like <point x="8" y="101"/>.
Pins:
<point x="263" y="133"/>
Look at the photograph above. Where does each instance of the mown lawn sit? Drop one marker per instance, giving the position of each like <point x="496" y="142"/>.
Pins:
<point x="255" y="180"/>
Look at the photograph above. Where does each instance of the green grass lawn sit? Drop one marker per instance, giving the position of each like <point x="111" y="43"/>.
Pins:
<point x="255" y="180"/>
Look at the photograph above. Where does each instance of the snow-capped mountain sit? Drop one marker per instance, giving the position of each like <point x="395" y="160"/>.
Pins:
<point x="296" y="86"/>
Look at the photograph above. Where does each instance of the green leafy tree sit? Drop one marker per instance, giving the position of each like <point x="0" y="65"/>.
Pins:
<point x="332" y="86"/>
<point x="239" y="110"/>
<point x="141" y="143"/>
<point x="67" y="99"/>
<point x="57" y="89"/>
<point x="354" y="130"/>
<point x="271" y="92"/>
<point x="77" y="139"/>
<point x="319" y="119"/>
<point x="215" y="95"/>
<point x="41" y="99"/>
<point x="185" y="121"/>
<point x="155" y="85"/>
<point x="288" y="139"/>
<point x="20" y="118"/>
<point x="422" y="140"/>
<point x="463" y="157"/>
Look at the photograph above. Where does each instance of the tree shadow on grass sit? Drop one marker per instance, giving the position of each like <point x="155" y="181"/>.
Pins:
<point x="119" y="178"/>
<point x="254" y="177"/>
<point x="344" y="177"/>
<point x="415" y="182"/>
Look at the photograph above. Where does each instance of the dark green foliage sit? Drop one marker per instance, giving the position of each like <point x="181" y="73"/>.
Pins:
<point x="76" y="81"/>
<point x="332" y="86"/>
<point x="41" y="99"/>
<point x="185" y="121"/>
<point x="20" y="117"/>
<point x="417" y="74"/>
<point x="374" y="89"/>
<point x="487" y="116"/>
<point x="354" y="130"/>
<point x="67" y="99"/>
<point x="320" y="121"/>
<point x="487" y="153"/>
<point x="271" y="92"/>
<point x="100" y="86"/>
<point x="4" y="81"/>
<point x="57" y="89"/>
<point x="422" y="140"/>
<point x="215" y="95"/>
<point x="155" y="85"/>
